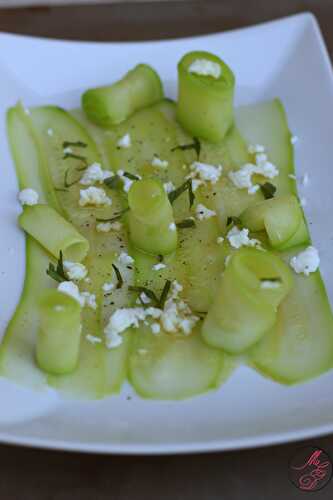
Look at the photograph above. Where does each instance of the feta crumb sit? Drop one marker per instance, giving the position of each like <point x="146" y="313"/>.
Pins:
<point x="306" y="262"/>
<point x="125" y="142"/>
<point x="75" y="271"/>
<point x="159" y="266"/>
<point x="107" y="287"/>
<point x="269" y="284"/>
<point x="305" y="179"/>
<point x="292" y="176"/>
<point x="144" y="298"/>
<point x="93" y="340"/>
<point x="155" y="328"/>
<point x="50" y="132"/>
<point x="142" y="352"/>
<point x="28" y="196"/>
<point x="68" y="150"/>
<point x="303" y="202"/>
<point x="206" y="172"/>
<point x="172" y="226"/>
<point x="253" y="189"/>
<point x="294" y="139"/>
<point x="106" y="227"/>
<point x="94" y="173"/>
<point x="242" y="178"/>
<point x="196" y="183"/>
<point x="89" y="300"/>
<point x="71" y="289"/>
<point x="157" y="162"/>
<point x="124" y="258"/>
<point x="94" y="196"/>
<point x="203" y="212"/>
<point x="220" y="240"/>
<point x="204" y="67"/>
<point x="120" y="321"/>
<point x="87" y="280"/>
<point x="126" y="181"/>
<point x="240" y="237"/>
<point x="256" y="148"/>
<point x="169" y="186"/>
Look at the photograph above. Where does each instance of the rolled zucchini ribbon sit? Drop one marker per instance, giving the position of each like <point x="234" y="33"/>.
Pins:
<point x="54" y="232"/>
<point x="58" y="339"/>
<point x="205" y="103"/>
<point x="112" y="104"/>
<point x="243" y="309"/>
<point x="282" y="218"/>
<point x="151" y="224"/>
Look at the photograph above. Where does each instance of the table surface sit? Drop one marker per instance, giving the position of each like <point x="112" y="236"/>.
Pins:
<point x="260" y="474"/>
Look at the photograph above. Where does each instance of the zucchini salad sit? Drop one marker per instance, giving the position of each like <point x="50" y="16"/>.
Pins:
<point x="165" y="242"/>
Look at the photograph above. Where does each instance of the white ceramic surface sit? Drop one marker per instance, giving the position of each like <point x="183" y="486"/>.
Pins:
<point x="285" y="58"/>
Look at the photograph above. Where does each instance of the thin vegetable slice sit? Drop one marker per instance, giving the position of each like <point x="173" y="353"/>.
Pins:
<point x="205" y="103"/>
<point x="110" y="105"/>
<point x="243" y="310"/>
<point x="38" y="220"/>
<point x="300" y="345"/>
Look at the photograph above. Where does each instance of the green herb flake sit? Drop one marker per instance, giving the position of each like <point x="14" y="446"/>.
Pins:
<point x="77" y="144"/>
<point x="164" y="294"/>
<point x="186" y="223"/>
<point x="195" y="145"/>
<point x="57" y="273"/>
<point x="116" y="217"/>
<point x="120" y="280"/>
<point x="186" y="186"/>
<point x="75" y="157"/>
<point x="268" y="190"/>
<point x="235" y="221"/>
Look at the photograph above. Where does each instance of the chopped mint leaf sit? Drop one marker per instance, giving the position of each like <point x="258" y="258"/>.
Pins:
<point x="57" y="273"/>
<point x="186" y="223"/>
<point x="119" y="276"/>
<point x="268" y="190"/>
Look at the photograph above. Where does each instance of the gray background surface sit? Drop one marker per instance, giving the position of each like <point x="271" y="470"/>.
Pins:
<point x="261" y="474"/>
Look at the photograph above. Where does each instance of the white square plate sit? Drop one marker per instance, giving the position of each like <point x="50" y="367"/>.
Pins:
<point x="285" y="58"/>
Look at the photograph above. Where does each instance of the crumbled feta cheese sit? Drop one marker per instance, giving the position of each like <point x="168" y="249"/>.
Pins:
<point x="240" y="237"/>
<point x="94" y="196"/>
<point x="125" y="259"/>
<point x="28" y="196"/>
<point x="106" y="227"/>
<point x="292" y="176"/>
<point x="75" y="271"/>
<point x="89" y="300"/>
<point x="120" y="321"/>
<point x="256" y="148"/>
<point x="68" y="150"/>
<point x="204" y="67"/>
<point x="93" y="340"/>
<point x="294" y="139"/>
<point x="206" y="172"/>
<point x="159" y="266"/>
<point x="142" y="352"/>
<point x="203" y="212"/>
<point x="157" y="162"/>
<point x="172" y="226"/>
<point x="220" y="240"/>
<point x="71" y="289"/>
<point x="253" y="189"/>
<point x="169" y="186"/>
<point x="242" y="178"/>
<point x="125" y="142"/>
<point x="50" y="132"/>
<point x="302" y="202"/>
<point x="305" y="179"/>
<point x="269" y="284"/>
<point x="107" y="287"/>
<point x="306" y="262"/>
<point x="144" y="298"/>
<point x="94" y="173"/>
<point x="87" y="280"/>
<point x="155" y="328"/>
<point x="126" y="181"/>
<point x="196" y="183"/>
